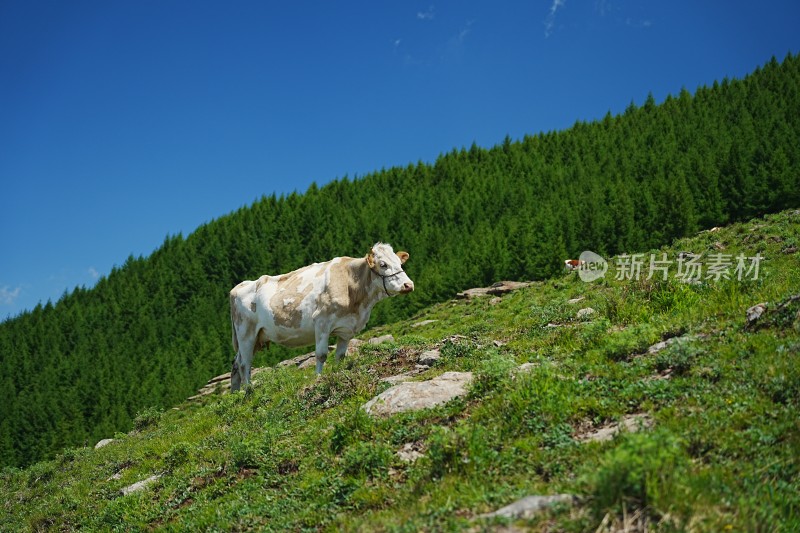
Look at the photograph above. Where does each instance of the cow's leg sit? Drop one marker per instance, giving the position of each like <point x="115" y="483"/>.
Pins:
<point x="240" y="373"/>
<point x="341" y="348"/>
<point x="236" y="378"/>
<point x="321" y="351"/>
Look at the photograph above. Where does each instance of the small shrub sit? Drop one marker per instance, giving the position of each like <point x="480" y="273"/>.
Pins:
<point x="679" y="357"/>
<point x="147" y="418"/>
<point x="71" y="454"/>
<point x="623" y="345"/>
<point x="352" y="428"/>
<point x="443" y="451"/>
<point x="367" y="458"/>
<point x="557" y="436"/>
<point x="782" y="388"/>
<point x="408" y="427"/>
<point x="246" y="454"/>
<point x="456" y="348"/>
<point x="41" y="473"/>
<point x="332" y="389"/>
<point x="785" y="315"/>
<point x="642" y="472"/>
<point x="177" y="455"/>
<point x="491" y="373"/>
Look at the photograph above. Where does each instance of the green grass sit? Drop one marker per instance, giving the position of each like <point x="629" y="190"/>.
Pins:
<point x="298" y="453"/>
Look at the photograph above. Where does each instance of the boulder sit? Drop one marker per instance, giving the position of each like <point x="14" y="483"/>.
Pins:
<point x="585" y="313"/>
<point x="430" y="358"/>
<point x="423" y="323"/>
<point x="416" y="395"/>
<point x="754" y="313"/>
<point x="381" y="339"/>
<point x="104" y="442"/>
<point x="400" y="378"/>
<point x="140" y="485"/>
<point x="657" y="347"/>
<point x="527" y="367"/>
<point x="497" y="289"/>
<point x="222" y="381"/>
<point x="528" y="506"/>
<point x="296" y="361"/>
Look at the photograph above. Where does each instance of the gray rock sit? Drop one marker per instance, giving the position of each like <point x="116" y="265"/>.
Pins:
<point x="400" y="378"/>
<point x="296" y="361"/>
<point x="423" y="323"/>
<point x="754" y="313"/>
<point x="497" y="289"/>
<point x="527" y="367"/>
<point x="528" y="506"/>
<point x="629" y="423"/>
<point x="140" y="485"/>
<point x="104" y="442"/>
<point x="410" y="452"/>
<point x="416" y="395"/>
<point x="575" y="300"/>
<point x="381" y="339"/>
<point x="657" y="347"/>
<point x="223" y="381"/>
<point x="585" y="312"/>
<point x="311" y="362"/>
<point x="430" y="358"/>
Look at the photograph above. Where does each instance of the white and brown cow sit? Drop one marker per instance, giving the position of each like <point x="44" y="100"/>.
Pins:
<point x="312" y="303"/>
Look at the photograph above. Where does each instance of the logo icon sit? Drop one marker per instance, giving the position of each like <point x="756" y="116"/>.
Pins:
<point x="592" y="266"/>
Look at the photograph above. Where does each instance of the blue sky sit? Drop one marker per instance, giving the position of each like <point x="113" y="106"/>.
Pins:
<point x="122" y="122"/>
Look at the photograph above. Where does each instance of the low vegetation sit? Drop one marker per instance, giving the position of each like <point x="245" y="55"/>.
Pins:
<point x="719" y="451"/>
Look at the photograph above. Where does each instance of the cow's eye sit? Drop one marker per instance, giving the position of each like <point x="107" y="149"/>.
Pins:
<point x="383" y="264"/>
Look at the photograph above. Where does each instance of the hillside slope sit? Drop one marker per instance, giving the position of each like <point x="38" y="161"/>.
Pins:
<point x="715" y="387"/>
<point x="157" y="327"/>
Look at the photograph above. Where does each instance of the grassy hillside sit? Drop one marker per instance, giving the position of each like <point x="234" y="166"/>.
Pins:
<point x="299" y="453"/>
<point x="157" y="327"/>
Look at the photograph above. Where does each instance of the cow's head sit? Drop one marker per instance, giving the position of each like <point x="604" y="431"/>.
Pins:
<point x="389" y="266"/>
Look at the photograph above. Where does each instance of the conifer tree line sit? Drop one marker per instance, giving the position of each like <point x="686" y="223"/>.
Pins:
<point x="156" y="328"/>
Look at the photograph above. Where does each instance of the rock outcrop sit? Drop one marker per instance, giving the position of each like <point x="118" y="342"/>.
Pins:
<point x="528" y="506"/>
<point x="415" y="395"/>
<point x="497" y="289"/>
<point x="140" y="485"/>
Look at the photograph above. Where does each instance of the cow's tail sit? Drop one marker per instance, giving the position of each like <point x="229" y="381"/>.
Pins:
<point x="234" y="313"/>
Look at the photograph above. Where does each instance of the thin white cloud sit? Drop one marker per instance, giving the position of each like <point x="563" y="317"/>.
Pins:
<point x="638" y="23"/>
<point x="454" y="48"/>
<point x="427" y="15"/>
<point x="464" y="32"/>
<point x="603" y="7"/>
<point x="550" y="21"/>
<point x="93" y="272"/>
<point x="9" y="296"/>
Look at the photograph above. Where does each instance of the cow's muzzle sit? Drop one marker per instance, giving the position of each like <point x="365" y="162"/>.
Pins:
<point x="407" y="286"/>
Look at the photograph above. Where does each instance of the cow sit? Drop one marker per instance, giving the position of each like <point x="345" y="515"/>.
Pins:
<point x="310" y="304"/>
<point x="573" y="264"/>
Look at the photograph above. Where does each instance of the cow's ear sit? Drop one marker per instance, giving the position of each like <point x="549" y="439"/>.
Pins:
<point x="371" y="259"/>
<point x="403" y="257"/>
